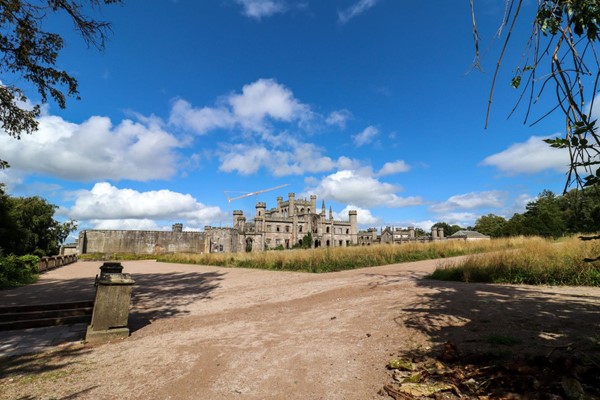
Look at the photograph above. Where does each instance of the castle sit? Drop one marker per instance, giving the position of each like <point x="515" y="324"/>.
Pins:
<point x="284" y="226"/>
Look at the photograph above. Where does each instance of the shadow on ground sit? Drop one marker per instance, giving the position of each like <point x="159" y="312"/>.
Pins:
<point x="158" y="296"/>
<point x="502" y="339"/>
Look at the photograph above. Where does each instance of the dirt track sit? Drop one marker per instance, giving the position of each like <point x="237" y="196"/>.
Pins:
<point x="217" y="333"/>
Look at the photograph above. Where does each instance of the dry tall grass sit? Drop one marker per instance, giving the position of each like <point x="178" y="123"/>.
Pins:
<point x="538" y="261"/>
<point x="342" y="258"/>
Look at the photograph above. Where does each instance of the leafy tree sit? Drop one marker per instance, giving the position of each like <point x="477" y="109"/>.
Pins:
<point x="543" y="216"/>
<point x="30" y="53"/>
<point x="307" y="241"/>
<point x="28" y="226"/>
<point x="491" y="225"/>
<point x="560" y="57"/>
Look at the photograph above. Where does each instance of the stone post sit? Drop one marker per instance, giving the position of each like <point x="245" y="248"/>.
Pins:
<point x="434" y="233"/>
<point x="111" y="307"/>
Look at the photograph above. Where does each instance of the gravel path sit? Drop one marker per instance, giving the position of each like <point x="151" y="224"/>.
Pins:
<point x="202" y="332"/>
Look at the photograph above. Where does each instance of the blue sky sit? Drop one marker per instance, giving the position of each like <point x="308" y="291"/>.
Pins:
<point x="369" y="104"/>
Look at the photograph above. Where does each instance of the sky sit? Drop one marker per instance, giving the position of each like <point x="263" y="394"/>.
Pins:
<point x="372" y="105"/>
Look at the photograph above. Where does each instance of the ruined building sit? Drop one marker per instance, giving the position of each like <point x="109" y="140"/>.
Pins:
<point x="281" y="227"/>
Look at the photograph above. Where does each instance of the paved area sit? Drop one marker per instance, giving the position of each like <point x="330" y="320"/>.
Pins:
<point x="36" y="340"/>
<point x="72" y="282"/>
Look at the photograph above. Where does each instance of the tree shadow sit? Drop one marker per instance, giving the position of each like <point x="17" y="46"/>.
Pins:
<point x="157" y="296"/>
<point x="505" y="318"/>
<point x="499" y="340"/>
<point x="31" y="366"/>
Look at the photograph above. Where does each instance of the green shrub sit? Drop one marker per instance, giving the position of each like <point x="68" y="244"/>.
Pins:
<point x="17" y="271"/>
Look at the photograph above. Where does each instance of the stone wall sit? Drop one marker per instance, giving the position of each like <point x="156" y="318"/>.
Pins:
<point x="140" y="242"/>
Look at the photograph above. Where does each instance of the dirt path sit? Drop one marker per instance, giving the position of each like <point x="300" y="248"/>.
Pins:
<point x="217" y="333"/>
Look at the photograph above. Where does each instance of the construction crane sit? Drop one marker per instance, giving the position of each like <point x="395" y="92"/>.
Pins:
<point x="230" y="199"/>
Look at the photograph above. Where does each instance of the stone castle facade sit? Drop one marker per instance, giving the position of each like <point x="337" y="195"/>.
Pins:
<point x="283" y="226"/>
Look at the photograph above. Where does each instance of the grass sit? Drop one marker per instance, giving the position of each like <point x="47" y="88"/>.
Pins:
<point x="537" y="262"/>
<point x="343" y="258"/>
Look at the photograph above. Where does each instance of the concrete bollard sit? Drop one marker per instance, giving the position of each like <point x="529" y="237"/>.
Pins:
<point x="111" y="307"/>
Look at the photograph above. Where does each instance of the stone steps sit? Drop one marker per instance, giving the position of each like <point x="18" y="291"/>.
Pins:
<point x="41" y="315"/>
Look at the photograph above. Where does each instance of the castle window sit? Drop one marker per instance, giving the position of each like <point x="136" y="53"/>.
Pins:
<point x="299" y="228"/>
<point x="287" y="228"/>
<point x="340" y="243"/>
<point x="328" y="232"/>
<point x="347" y="243"/>
<point x="347" y="231"/>
<point x="277" y="228"/>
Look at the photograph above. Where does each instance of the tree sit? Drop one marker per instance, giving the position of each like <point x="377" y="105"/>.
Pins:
<point x="561" y="56"/>
<point x="491" y="225"/>
<point x="543" y="216"/>
<point x="28" y="226"/>
<point x="29" y="53"/>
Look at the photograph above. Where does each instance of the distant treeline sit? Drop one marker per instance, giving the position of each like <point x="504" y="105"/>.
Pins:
<point x="550" y="215"/>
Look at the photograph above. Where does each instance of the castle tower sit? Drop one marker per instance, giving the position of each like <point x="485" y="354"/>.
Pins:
<point x="239" y="221"/>
<point x="313" y="204"/>
<point x="279" y="201"/>
<point x="292" y="208"/>
<point x="330" y="213"/>
<point x="260" y="216"/>
<point x="177" y="227"/>
<point x="411" y="232"/>
<point x="353" y="216"/>
<point x="323" y="209"/>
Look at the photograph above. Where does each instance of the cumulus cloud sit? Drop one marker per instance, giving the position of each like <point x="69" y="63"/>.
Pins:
<point x="463" y="219"/>
<point x="338" y="118"/>
<point x="350" y="187"/>
<point x="364" y="216"/>
<point x="366" y="136"/>
<point x="530" y="157"/>
<point x="106" y="205"/>
<point x="95" y="150"/>
<point x="296" y="158"/>
<point x="470" y="201"/>
<point x="253" y="109"/>
<point x="392" y="168"/>
<point x="355" y="9"/>
<point x="258" y="9"/>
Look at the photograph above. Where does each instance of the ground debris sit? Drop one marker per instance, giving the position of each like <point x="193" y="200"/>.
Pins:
<point x="478" y="376"/>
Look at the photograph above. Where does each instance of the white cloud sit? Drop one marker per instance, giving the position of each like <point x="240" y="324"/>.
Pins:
<point x="473" y="200"/>
<point x="280" y="158"/>
<point x="366" y="136"/>
<point x="530" y="157"/>
<point x="259" y="103"/>
<point x="350" y="187"/>
<point x="258" y="9"/>
<point x="126" y="224"/>
<point x="106" y="202"/>
<point x="363" y="215"/>
<point x="338" y="118"/>
<point x="392" y="168"/>
<point x="94" y="150"/>
<point x="355" y="9"/>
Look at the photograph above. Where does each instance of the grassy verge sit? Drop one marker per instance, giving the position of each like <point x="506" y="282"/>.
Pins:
<point x="538" y="262"/>
<point x="343" y="258"/>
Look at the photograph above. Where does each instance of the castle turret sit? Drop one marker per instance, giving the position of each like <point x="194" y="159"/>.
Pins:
<point x="239" y="221"/>
<point x="260" y="216"/>
<point x="353" y="217"/>
<point x="279" y="201"/>
<point x="177" y="227"/>
<point x="411" y="232"/>
<point x="323" y="209"/>
<point x="292" y="207"/>
<point x="313" y="203"/>
<point x="330" y="213"/>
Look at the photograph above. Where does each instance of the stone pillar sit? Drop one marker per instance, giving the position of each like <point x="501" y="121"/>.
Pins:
<point x="440" y="232"/>
<point x="434" y="233"/>
<point x="111" y="307"/>
<point x="411" y="232"/>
